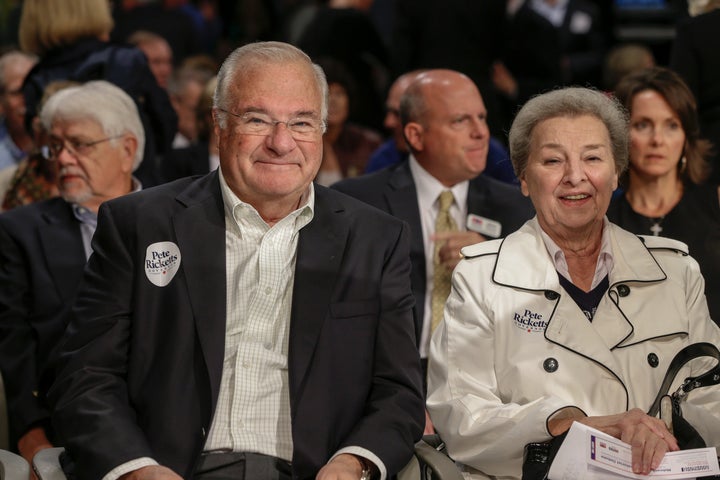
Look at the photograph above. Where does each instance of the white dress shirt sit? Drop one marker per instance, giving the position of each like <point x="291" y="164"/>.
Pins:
<point x="428" y="189"/>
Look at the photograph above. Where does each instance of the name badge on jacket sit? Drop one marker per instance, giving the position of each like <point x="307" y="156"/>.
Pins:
<point x="483" y="226"/>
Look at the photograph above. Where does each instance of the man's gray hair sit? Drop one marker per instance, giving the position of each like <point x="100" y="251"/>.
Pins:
<point x="569" y="102"/>
<point x="101" y="102"/>
<point x="254" y="54"/>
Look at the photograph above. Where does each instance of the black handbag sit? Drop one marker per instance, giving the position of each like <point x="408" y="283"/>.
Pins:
<point x="539" y="456"/>
<point x="668" y="405"/>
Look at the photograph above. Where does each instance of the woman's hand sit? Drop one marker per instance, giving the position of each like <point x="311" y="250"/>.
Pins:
<point x="648" y="436"/>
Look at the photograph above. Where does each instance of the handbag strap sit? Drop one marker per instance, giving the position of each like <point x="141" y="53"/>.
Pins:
<point x="711" y="377"/>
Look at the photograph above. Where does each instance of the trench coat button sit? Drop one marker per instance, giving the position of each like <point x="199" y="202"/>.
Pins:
<point x="623" y="290"/>
<point x="550" y="295"/>
<point x="550" y="365"/>
<point x="653" y="360"/>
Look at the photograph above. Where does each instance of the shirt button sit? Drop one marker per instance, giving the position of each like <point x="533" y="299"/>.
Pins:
<point x="550" y="365"/>
<point x="246" y="365"/>
<point x="268" y="290"/>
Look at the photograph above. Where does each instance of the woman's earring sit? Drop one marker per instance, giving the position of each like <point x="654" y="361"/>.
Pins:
<point x="683" y="164"/>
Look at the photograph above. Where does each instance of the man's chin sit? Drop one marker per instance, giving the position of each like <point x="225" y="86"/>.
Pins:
<point x="75" y="197"/>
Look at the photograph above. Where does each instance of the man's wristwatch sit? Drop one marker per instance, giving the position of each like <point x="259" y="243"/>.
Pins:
<point x="366" y="473"/>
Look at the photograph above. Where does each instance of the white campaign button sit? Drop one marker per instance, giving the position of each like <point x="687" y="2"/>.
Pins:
<point x="162" y="261"/>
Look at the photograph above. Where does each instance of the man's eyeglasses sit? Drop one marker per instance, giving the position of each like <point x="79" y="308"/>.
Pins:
<point x="74" y="147"/>
<point x="255" y="123"/>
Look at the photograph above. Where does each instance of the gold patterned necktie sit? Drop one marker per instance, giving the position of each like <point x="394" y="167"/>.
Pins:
<point x="441" y="274"/>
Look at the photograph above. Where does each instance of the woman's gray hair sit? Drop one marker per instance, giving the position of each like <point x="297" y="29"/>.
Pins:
<point x="102" y="102"/>
<point x="569" y="102"/>
<point x="253" y="54"/>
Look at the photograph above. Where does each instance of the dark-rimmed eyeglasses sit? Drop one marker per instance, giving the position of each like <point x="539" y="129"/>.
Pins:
<point x="74" y="147"/>
<point x="256" y="123"/>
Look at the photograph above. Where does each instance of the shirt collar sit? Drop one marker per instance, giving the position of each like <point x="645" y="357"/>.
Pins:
<point x="239" y="210"/>
<point x="555" y="14"/>
<point x="605" y="259"/>
<point x="429" y="188"/>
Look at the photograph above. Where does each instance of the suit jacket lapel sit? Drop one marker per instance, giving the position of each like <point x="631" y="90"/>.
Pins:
<point x="401" y="197"/>
<point x="200" y="231"/>
<point x="62" y="247"/>
<point x="319" y="256"/>
<point x="476" y="197"/>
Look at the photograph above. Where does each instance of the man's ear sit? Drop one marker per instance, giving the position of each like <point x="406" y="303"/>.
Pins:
<point x="414" y="136"/>
<point x="129" y="146"/>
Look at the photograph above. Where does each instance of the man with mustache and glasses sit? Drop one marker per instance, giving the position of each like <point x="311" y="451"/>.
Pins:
<point x="96" y="140"/>
<point x="246" y="324"/>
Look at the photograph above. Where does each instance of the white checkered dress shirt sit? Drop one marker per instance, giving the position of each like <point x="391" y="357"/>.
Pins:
<point x="253" y="409"/>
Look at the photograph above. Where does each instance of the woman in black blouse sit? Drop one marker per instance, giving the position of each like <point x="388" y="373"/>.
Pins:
<point x="666" y="191"/>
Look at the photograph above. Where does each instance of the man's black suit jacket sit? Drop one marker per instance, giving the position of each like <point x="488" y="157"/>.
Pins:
<point x="41" y="264"/>
<point x="393" y="191"/>
<point x="185" y="162"/>
<point x="139" y="372"/>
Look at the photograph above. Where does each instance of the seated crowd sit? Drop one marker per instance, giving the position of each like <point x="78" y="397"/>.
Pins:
<point x="215" y="266"/>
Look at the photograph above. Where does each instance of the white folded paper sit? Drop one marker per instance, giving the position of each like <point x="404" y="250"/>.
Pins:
<point x="593" y="455"/>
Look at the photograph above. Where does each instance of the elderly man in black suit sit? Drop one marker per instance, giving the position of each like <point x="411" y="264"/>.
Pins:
<point x="444" y="121"/>
<point x="96" y="139"/>
<point x="246" y="324"/>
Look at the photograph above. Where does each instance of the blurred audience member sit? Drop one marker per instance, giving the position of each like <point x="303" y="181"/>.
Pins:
<point x="582" y="37"/>
<point x="96" y="138"/>
<point x="15" y="141"/>
<point x="530" y="61"/>
<point x="70" y="36"/>
<point x="346" y="145"/>
<point x="395" y="149"/>
<point x="624" y="59"/>
<point x="185" y="89"/>
<point x="460" y="35"/>
<point x="36" y="176"/>
<point x="665" y="189"/>
<point x="342" y="30"/>
<point x="694" y="56"/>
<point x="160" y="17"/>
<point x="202" y="63"/>
<point x="158" y="52"/>
<point x="548" y="43"/>
<point x="200" y="157"/>
<point x="206" y="20"/>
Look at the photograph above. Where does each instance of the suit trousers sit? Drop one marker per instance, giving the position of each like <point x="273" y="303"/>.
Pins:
<point x="242" y="466"/>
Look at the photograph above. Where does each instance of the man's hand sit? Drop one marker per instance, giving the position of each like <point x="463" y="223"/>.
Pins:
<point x="343" y="467"/>
<point x="451" y="243"/>
<point x="31" y="443"/>
<point x="153" y="472"/>
<point x="648" y="436"/>
<point x="503" y="80"/>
